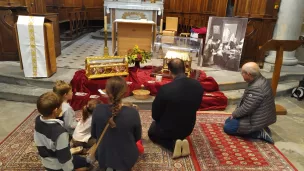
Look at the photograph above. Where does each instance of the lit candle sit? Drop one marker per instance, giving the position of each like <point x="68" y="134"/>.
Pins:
<point x="105" y="23"/>
<point x="161" y="26"/>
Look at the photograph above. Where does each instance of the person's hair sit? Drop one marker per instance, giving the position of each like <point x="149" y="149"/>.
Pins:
<point x="88" y="109"/>
<point x="61" y="88"/>
<point x="47" y="103"/>
<point x="176" y="66"/>
<point x="252" y="69"/>
<point x="116" y="88"/>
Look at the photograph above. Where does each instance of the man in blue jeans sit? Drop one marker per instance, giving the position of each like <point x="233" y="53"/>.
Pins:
<point x="256" y="111"/>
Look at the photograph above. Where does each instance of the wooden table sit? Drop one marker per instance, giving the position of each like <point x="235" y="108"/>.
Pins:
<point x="128" y="33"/>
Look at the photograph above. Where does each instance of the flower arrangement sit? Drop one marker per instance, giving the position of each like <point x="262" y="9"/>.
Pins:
<point x="138" y="55"/>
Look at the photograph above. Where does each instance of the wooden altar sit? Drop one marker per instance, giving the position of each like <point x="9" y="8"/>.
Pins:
<point x="8" y="41"/>
<point x="128" y="33"/>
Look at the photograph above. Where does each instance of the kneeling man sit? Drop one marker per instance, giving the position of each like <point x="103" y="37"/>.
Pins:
<point x="174" y="110"/>
<point x="256" y="110"/>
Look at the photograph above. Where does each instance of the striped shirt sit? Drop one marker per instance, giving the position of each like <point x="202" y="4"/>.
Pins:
<point x="52" y="142"/>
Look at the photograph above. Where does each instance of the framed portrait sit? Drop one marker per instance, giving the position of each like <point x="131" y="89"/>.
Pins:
<point x="224" y="43"/>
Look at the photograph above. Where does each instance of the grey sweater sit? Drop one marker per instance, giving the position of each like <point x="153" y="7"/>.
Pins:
<point x="257" y="108"/>
<point x="118" y="148"/>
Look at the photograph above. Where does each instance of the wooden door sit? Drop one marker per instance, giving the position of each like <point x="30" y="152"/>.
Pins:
<point x="17" y="3"/>
<point x="36" y="6"/>
<point x="49" y="2"/>
<point x="258" y="8"/>
<point x="262" y="8"/>
<point x="40" y="6"/>
<point x="4" y="2"/>
<point x="220" y="7"/>
<point x="174" y="6"/>
<point x="93" y="3"/>
<point x="88" y="3"/>
<point x="191" y="6"/>
<point x="186" y="6"/>
<point x="31" y="6"/>
<point x="78" y="3"/>
<point x="67" y="3"/>
<point x="242" y="8"/>
<point x="8" y="40"/>
<point x="178" y="5"/>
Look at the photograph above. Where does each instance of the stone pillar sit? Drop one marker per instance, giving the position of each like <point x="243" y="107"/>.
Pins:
<point x="288" y="27"/>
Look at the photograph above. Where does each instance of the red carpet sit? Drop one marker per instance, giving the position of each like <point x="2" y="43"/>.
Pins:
<point x="215" y="150"/>
<point x="211" y="150"/>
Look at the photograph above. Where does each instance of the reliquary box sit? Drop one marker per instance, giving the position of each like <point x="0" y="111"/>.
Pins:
<point x="102" y="67"/>
<point x="185" y="56"/>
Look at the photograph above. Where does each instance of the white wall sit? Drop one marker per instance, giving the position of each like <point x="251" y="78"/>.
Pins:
<point x="300" y="51"/>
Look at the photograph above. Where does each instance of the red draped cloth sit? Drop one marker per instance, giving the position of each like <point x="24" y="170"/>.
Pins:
<point x="213" y="99"/>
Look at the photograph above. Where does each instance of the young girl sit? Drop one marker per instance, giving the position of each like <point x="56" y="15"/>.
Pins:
<point x="82" y="133"/>
<point x="117" y="149"/>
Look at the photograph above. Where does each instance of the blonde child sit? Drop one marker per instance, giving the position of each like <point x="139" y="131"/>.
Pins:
<point x="64" y="91"/>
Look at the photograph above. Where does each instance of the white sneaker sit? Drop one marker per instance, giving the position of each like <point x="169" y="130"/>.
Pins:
<point x="185" y="148"/>
<point x="177" y="149"/>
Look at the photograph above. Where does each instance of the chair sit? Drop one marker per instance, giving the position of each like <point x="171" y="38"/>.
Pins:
<point x="171" y="26"/>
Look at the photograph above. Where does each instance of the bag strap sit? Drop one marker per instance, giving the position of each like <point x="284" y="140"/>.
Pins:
<point x="102" y="134"/>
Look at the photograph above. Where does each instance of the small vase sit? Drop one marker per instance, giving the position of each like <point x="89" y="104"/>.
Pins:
<point x="137" y="64"/>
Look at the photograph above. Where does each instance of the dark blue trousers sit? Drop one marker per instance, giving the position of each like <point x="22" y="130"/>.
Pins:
<point x="231" y="126"/>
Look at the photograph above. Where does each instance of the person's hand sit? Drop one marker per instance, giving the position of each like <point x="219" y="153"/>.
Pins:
<point x="105" y="96"/>
<point x="231" y="117"/>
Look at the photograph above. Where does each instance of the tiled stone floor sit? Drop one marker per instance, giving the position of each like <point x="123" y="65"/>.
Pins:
<point x="74" y="56"/>
<point x="287" y="131"/>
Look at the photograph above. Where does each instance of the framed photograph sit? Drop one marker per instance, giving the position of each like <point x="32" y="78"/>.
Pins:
<point x="224" y="43"/>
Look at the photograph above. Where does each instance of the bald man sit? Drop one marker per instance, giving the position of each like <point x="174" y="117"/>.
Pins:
<point x="174" y="110"/>
<point x="256" y="111"/>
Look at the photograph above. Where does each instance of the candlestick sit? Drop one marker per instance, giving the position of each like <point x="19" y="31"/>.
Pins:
<point x="105" y="23"/>
<point x="161" y="26"/>
<point x="106" y="49"/>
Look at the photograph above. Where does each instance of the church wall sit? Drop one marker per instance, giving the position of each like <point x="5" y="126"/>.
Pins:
<point x="300" y="51"/>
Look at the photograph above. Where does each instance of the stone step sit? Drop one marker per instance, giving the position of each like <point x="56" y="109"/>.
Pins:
<point x="241" y="84"/>
<point x="284" y="89"/>
<point x="28" y="93"/>
<point x="21" y="93"/>
<point x="234" y="96"/>
<point x="10" y="73"/>
<point x="100" y="34"/>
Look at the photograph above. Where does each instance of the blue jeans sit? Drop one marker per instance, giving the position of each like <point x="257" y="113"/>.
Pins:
<point x="231" y="126"/>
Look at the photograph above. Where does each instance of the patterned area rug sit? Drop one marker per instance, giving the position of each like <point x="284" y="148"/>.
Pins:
<point x="211" y="149"/>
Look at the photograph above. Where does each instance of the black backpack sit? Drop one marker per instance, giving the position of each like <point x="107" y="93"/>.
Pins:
<point x="298" y="92"/>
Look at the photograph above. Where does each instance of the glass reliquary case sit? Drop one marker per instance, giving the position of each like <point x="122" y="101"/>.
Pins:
<point x="102" y="67"/>
<point x="171" y="47"/>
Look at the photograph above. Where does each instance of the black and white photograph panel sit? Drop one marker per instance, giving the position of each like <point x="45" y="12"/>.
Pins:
<point x="224" y="43"/>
